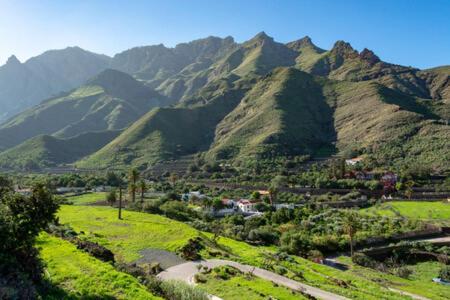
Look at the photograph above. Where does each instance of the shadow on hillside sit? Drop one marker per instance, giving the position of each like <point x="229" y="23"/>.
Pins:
<point x="49" y="291"/>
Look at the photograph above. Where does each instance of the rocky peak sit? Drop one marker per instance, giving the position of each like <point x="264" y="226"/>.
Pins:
<point x="369" y="56"/>
<point x="302" y="43"/>
<point x="12" y="60"/>
<point x="344" y="49"/>
<point x="262" y="37"/>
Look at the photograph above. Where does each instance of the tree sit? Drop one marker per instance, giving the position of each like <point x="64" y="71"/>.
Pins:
<point x="408" y="189"/>
<point x="120" y="202"/>
<point x="217" y="204"/>
<point x="21" y="220"/>
<point x="350" y="225"/>
<point x="275" y="185"/>
<point x="112" y="179"/>
<point x="256" y="195"/>
<point x="142" y="189"/>
<point x="133" y="177"/>
<point x="111" y="198"/>
<point x="173" y="178"/>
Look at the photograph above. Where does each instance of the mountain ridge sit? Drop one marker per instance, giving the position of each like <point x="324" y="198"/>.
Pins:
<point x="259" y="99"/>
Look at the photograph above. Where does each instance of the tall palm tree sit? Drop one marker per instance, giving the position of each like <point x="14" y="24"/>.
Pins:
<point x="351" y="224"/>
<point x="142" y="189"/>
<point x="133" y="177"/>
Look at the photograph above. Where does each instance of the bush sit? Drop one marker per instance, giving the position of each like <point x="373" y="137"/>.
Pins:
<point x="177" y="210"/>
<point x="190" y="251"/>
<point x="403" y="272"/>
<point x="96" y="250"/>
<point x="21" y="220"/>
<point x="444" y="273"/>
<point x="179" y="290"/>
<point x="363" y="260"/>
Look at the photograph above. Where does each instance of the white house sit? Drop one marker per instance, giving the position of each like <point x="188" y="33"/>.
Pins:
<point x="247" y="206"/>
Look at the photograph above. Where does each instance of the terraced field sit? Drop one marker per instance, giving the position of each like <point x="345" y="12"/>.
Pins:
<point x="437" y="212"/>
<point x="77" y="275"/>
<point x="139" y="231"/>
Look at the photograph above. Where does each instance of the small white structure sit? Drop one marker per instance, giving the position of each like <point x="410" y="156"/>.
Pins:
<point x="247" y="206"/>
<point x="353" y="161"/>
<point x="23" y="192"/>
<point x="284" y="205"/>
<point x="196" y="194"/>
<point x="63" y="190"/>
<point x="102" y="188"/>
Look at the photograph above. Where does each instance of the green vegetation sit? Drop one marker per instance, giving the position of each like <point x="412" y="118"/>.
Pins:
<point x="110" y="101"/>
<point x="438" y="212"/>
<point x="21" y="220"/>
<point x="136" y="232"/>
<point x="259" y="100"/>
<point x="231" y="284"/>
<point x="419" y="282"/>
<point x="88" y="198"/>
<point x="75" y="274"/>
<point x="48" y="151"/>
<point x="139" y="231"/>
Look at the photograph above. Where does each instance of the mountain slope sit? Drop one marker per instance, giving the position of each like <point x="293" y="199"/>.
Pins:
<point x="154" y="64"/>
<point x="110" y="101"/>
<point x="284" y="114"/>
<point x="24" y="85"/>
<point x="48" y="151"/>
<point x="168" y="133"/>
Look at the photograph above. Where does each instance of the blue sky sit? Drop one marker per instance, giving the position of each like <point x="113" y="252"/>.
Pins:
<point x="407" y="32"/>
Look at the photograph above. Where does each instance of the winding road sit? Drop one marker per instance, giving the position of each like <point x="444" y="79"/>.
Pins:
<point x="186" y="272"/>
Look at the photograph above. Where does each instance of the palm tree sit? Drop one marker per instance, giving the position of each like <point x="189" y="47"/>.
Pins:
<point x="133" y="177"/>
<point x="142" y="189"/>
<point x="351" y="224"/>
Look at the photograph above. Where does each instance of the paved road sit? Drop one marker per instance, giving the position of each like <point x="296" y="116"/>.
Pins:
<point x="186" y="272"/>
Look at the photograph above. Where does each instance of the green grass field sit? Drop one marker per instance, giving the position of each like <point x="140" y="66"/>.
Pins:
<point x="433" y="211"/>
<point x="77" y="275"/>
<point x="420" y="282"/>
<point x="246" y="287"/>
<point x="87" y="198"/>
<point x="139" y="231"/>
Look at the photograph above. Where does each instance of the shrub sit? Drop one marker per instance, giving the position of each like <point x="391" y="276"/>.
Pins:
<point x="200" y="278"/>
<point x="363" y="260"/>
<point x="190" y="251"/>
<point x="179" y="290"/>
<point x="21" y="220"/>
<point x="444" y="273"/>
<point x="96" y="250"/>
<point x="403" y="272"/>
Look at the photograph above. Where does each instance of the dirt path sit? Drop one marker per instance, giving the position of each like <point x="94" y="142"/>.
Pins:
<point x="186" y="272"/>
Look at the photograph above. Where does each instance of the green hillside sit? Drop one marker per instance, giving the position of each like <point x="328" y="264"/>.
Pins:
<point x="75" y="274"/>
<point x="284" y="114"/>
<point x="257" y="99"/>
<point x="168" y="133"/>
<point x="48" y="151"/>
<point x="110" y="101"/>
<point x="287" y="112"/>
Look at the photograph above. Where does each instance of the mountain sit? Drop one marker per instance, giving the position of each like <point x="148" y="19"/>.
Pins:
<point x="48" y="151"/>
<point x="250" y="101"/>
<point x="23" y="85"/>
<point x="157" y="63"/>
<point x="286" y="113"/>
<point x="110" y="101"/>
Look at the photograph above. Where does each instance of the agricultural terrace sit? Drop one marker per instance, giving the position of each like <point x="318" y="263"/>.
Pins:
<point x="437" y="212"/>
<point x="140" y="231"/>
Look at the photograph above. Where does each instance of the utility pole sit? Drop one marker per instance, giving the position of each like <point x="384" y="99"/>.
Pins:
<point x="120" y="202"/>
